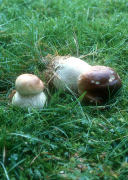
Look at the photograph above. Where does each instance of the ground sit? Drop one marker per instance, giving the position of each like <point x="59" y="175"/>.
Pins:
<point x="67" y="139"/>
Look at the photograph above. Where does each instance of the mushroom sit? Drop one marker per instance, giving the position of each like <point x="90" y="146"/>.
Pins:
<point x="29" y="92"/>
<point x="99" y="82"/>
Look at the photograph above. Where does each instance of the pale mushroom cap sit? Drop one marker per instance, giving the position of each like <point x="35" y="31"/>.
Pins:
<point x="100" y="83"/>
<point x="28" y="84"/>
<point x="67" y="71"/>
<point x="36" y="101"/>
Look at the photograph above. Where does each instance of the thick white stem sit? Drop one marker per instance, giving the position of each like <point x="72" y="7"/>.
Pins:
<point x="37" y="101"/>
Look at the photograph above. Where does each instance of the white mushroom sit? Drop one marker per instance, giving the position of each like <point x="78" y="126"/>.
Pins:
<point x="29" y="92"/>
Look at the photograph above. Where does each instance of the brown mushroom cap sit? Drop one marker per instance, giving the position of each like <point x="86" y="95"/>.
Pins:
<point x="28" y="84"/>
<point x="100" y="83"/>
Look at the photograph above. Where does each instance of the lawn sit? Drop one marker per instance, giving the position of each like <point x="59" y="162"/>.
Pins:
<point x="67" y="139"/>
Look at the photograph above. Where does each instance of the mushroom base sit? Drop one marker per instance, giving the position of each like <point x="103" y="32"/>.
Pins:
<point x="98" y="97"/>
<point x="36" y="101"/>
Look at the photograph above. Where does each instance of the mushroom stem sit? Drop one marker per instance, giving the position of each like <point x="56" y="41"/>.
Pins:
<point x="64" y="71"/>
<point x="37" y="101"/>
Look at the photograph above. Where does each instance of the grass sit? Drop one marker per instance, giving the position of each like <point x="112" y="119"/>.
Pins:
<point x="65" y="140"/>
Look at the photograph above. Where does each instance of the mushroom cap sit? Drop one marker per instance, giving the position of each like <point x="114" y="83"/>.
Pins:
<point x="100" y="83"/>
<point x="28" y="84"/>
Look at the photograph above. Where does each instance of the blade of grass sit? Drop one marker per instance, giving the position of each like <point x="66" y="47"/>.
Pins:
<point x="6" y="173"/>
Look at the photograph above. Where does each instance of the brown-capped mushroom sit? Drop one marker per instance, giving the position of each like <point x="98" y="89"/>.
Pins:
<point x="99" y="82"/>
